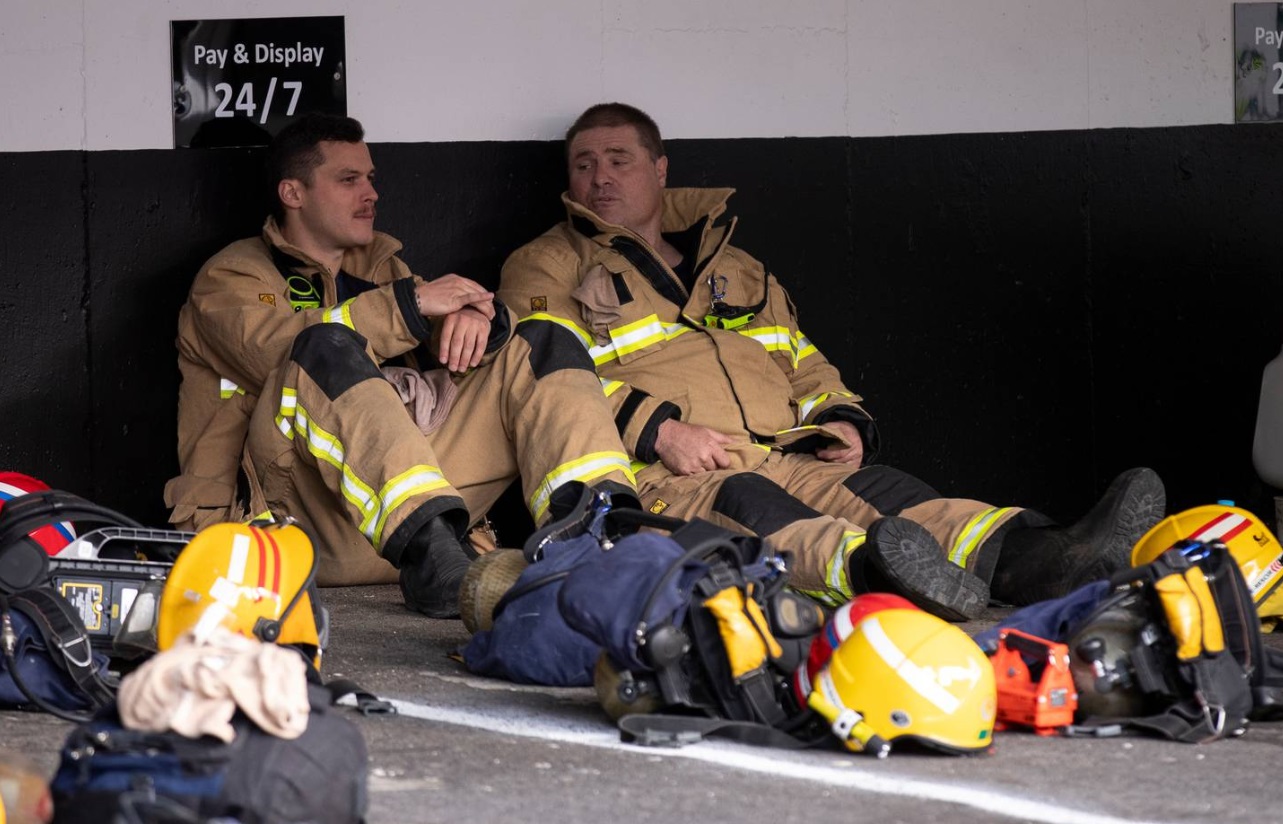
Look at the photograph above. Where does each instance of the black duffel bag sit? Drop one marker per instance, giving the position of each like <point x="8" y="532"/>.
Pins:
<point x="112" y="775"/>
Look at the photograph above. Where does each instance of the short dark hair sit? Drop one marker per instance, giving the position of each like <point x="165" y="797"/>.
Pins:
<point x="295" y="152"/>
<point x="619" y="114"/>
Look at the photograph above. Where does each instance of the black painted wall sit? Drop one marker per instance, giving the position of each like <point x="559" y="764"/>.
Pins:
<point x="1027" y="314"/>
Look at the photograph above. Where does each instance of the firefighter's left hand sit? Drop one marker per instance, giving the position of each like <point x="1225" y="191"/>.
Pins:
<point x="463" y="339"/>
<point x="837" y="453"/>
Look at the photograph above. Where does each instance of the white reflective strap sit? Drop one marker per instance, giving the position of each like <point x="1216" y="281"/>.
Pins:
<point x="610" y="387"/>
<point x="319" y="442"/>
<point x="923" y="680"/>
<point x="585" y="469"/>
<point x="416" y="480"/>
<point x="636" y="336"/>
<point x="805" y="405"/>
<point x="327" y="448"/>
<point x="803" y="347"/>
<point x="774" y="338"/>
<point x="284" y="416"/>
<point x="838" y="581"/>
<point x="340" y="314"/>
<point x="227" y="389"/>
<point x="974" y="534"/>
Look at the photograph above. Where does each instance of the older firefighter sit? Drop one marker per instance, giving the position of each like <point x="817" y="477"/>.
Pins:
<point x="733" y="414"/>
<point x="280" y="347"/>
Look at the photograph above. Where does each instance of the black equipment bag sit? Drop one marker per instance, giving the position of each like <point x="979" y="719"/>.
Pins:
<point x="112" y="775"/>
<point x="1177" y="648"/>
<point x="699" y="624"/>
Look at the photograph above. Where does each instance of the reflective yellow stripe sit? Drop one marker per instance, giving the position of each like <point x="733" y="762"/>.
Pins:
<point x="780" y="339"/>
<point x="636" y="336"/>
<point x="638" y="466"/>
<point x="974" y="534"/>
<point x="774" y="338"/>
<point x="293" y="418"/>
<point x="627" y="339"/>
<point x="414" y="481"/>
<point x="340" y="314"/>
<point x="579" y="331"/>
<point x="585" y="469"/>
<point x="805" y="405"/>
<point x="610" y="387"/>
<point x="836" y="578"/>
<point x="285" y="415"/>
<point x="227" y="389"/>
<point x="803" y="347"/>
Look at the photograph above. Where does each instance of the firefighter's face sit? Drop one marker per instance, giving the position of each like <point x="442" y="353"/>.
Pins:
<point x="336" y="207"/>
<point x="614" y="175"/>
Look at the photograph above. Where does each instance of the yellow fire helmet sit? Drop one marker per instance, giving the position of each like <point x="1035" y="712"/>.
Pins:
<point x="1254" y="547"/>
<point x="906" y="674"/>
<point x="256" y="581"/>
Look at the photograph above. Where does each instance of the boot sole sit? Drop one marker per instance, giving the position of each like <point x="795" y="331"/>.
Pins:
<point x="1140" y="501"/>
<point x="911" y="558"/>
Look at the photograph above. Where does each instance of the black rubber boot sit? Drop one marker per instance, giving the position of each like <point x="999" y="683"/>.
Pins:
<point x="1048" y="562"/>
<point x="901" y="557"/>
<point x="432" y="569"/>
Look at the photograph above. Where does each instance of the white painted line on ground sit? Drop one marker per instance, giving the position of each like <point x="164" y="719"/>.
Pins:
<point x="514" y="721"/>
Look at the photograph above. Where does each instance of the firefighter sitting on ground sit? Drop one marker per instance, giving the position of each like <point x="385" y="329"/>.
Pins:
<point x="740" y="419"/>
<point x="280" y="346"/>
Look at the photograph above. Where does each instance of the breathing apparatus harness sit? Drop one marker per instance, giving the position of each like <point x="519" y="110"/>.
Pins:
<point x="26" y="588"/>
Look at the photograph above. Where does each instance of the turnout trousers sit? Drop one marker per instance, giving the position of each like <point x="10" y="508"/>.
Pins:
<point x="334" y="447"/>
<point x="818" y="511"/>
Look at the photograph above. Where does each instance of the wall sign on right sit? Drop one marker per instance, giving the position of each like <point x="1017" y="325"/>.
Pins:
<point x="1258" y="66"/>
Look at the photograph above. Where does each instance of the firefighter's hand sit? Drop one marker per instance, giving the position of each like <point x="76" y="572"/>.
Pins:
<point x="837" y="453"/>
<point x="450" y="293"/>
<point x="463" y="336"/>
<point x="687" y="449"/>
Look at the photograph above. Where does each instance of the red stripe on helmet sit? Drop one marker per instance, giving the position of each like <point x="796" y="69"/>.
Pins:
<point x="276" y="564"/>
<point x="262" y="556"/>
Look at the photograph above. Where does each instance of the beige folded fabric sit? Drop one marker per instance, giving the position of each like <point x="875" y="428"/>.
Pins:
<point x="428" y="395"/>
<point x="599" y="301"/>
<point x="195" y="689"/>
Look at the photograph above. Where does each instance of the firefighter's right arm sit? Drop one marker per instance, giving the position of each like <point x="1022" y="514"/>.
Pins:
<point x="537" y="282"/>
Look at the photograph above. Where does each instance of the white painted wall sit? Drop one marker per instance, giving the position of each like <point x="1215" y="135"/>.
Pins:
<point x="94" y="74"/>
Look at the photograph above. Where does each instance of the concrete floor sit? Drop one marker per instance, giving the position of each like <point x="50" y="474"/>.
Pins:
<point x="465" y="748"/>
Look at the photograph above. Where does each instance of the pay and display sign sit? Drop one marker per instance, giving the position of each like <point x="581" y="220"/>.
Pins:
<point x="238" y="82"/>
<point x="1258" y="66"/>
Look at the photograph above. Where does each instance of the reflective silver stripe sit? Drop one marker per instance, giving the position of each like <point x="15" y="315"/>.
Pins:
<point x="974" y="533"/>
<point x="340" y="314"/>
<point x="585" y="469"/>
<point x="416" y="480"/>
<point x="805" y="405"/>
